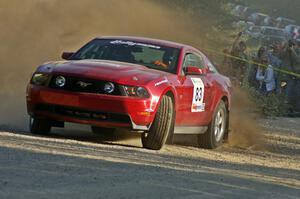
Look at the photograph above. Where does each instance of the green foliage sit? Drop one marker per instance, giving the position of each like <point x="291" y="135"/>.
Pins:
<point x="270" y="105"/>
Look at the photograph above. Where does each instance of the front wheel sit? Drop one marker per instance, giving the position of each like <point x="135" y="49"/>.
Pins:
<point x="214" y="135"/>
<point x="156" y="137"/>
<point x="39" y="126"/>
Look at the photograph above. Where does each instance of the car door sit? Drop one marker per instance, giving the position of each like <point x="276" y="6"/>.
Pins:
<point x="194" y="93"/>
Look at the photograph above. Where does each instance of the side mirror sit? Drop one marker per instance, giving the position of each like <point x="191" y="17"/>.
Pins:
<point x="193" y="70"/>
<point x="67" y="55"/>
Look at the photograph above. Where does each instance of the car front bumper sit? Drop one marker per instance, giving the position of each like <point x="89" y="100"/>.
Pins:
<point x="93" y="109"/>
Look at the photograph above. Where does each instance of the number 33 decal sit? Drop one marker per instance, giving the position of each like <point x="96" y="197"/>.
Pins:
<point x="198" y="95"/>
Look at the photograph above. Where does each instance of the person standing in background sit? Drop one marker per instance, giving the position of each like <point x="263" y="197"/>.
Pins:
<point x="253" y="68"/>
<point x="290" y="62"/>
<point x="239" y="60"/>
<point x="297" y="83"/>
<point x="265" y="75"/>
<point x="276" y="62"/>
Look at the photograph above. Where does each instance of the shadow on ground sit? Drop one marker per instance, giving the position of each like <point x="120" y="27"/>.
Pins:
<point x="121" y="172"/>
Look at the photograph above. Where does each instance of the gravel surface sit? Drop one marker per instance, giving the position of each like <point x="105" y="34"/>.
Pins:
<point x="78" y="164"/>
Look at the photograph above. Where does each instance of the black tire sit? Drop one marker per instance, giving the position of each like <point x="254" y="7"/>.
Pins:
<point x="211" y="139"/>
<point x="105" y="133"/>
<point x="156" y="137"/>
<point x="170" y="137"/>
<point x="39" y="126"/>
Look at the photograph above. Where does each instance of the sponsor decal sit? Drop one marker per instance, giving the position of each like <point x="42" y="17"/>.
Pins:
<point x="131" y="43"/>
<point x="198" y="95"/>
<point x="161" y="82"/>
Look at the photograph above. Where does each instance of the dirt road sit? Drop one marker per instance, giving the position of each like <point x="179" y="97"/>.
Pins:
<point x="77" y="164"/>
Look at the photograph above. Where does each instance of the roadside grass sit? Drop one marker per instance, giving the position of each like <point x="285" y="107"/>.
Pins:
<point x="272" y="105"/>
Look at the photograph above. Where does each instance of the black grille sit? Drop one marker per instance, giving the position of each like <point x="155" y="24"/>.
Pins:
<point x="83" y="114"/>
<point x="77" y="84"/>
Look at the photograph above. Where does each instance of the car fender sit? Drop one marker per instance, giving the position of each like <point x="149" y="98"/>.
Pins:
<point x="222" y="90"/>
<point x="173" y="91"/>
<point x="161" y="88"/>
<point x="168" y="89"/>
<point x="216" y="100"/>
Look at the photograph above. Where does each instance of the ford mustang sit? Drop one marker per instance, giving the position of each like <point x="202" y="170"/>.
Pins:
<point x="154" y="87"/>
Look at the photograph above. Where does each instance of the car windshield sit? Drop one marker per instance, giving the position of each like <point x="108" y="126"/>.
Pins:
<point x="150" y="55"/>
<point x="274" y="32"/>
<point x="255" y="29"/>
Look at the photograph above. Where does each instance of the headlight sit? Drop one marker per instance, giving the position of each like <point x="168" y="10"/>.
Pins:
<point x="60" y="81"/>
<point x="134" y="91"/>
<point x="40" y="79"/>
<point x="109" y="87"/>
<point x="141" y="92"/>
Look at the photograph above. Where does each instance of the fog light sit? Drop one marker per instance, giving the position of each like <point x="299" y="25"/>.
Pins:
<point x="144" y="113"/>
<point x="109" y="87"/>
<point x="60" y="81"/>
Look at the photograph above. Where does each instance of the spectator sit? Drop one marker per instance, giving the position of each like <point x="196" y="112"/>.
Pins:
<point x="269" y="79"/>
<point x="297" y="47"/>
<point x="290" y="62"/>
<point x="295" y="33"/>
<point x="274" y="55"/>
<point x="297" y="83"/>
<point x="227" y="60"/>
<point x="265" y="76"/>
<point x="260" y="79"/>
<point x="239" y="61"/>
<point x="252" y="69"/>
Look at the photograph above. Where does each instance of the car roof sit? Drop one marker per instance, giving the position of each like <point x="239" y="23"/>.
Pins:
<point x="260" y="14"/>
<point x="259" y="27"/>
<point x="292" y="26"/>
<point x="240" y="6"/>
<point x="270" y="27"/>
<point x="148" y="40"/>
<point x="284" y="18"/>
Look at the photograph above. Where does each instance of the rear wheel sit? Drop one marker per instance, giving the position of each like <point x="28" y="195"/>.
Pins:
<point x="156" y="137"/>
<point x="214" y="135"/>
<point x="39" y="126"/>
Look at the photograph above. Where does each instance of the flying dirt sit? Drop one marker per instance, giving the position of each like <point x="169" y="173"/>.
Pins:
<point x="41" y="30"/>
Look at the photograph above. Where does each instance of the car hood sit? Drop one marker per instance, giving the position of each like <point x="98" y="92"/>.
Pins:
<point x="119" y="72"/>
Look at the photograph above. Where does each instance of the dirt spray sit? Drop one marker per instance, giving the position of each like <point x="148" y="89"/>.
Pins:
<point x="37" y="31"/>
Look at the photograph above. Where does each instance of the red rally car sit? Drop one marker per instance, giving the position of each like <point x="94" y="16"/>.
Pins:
<point x="154" y="87"/>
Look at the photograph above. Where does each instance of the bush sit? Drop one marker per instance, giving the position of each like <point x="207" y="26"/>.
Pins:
<point x="270" y="105"/>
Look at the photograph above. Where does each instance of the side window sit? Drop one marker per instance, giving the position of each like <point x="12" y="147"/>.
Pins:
<point x="211" y="67"/>
<point x="193" y="60"/>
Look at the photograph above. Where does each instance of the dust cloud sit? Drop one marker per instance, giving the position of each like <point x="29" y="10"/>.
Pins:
<point x="245" y="131"/>
<point x="36" y="31"/>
